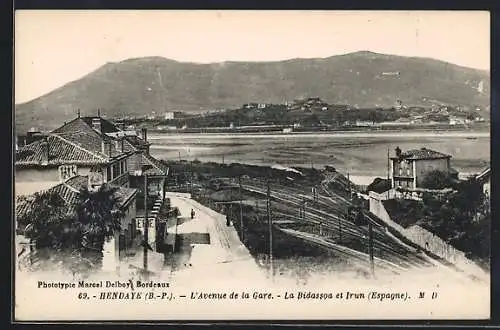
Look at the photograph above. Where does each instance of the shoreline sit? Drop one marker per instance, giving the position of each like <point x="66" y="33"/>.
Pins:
<point x="359" y="133"/>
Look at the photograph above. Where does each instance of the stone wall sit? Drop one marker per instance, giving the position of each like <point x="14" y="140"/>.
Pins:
<point x="425" y="239"/>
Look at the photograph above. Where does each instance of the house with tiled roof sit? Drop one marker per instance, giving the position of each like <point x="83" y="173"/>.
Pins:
<point x="409" y="168"/>
<point x="96" y="148"/>
<point x="135" y="145"/>
<point x="76" y="148"/>
<point x="70" y="191"/>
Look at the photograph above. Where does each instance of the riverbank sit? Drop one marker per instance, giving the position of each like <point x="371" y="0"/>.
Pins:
<point x="289" y="129"/>
<point x="355" y="132"/>
<point x="357" y="152"/>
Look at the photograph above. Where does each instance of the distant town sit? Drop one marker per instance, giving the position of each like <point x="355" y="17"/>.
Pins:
<point x="312" y="114"/>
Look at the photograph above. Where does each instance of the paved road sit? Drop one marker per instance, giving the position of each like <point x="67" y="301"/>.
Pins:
<point x="210" y="250"/>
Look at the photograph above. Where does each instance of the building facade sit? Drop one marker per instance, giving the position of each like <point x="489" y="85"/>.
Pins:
<point x="88" y="152"/>
<point x="76" y="148"/>
<point x="408" y="169"/>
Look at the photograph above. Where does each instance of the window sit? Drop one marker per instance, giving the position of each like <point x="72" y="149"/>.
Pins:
<point x="108" y="173"/>
<point x="116" y="170"/>
<point x="67" y="171"/>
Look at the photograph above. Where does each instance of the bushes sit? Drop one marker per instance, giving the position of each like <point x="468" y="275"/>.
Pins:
<point x="437" y="180"/>
<point x="379" y="185"/>
<point x="461" y="217"/>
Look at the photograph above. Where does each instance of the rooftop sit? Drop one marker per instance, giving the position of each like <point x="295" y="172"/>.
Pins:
<point x="60" y="151"/>
<point x="106" y="125"/>
<point x="76" y="142"/>
<point x="157" y="167"/>
<point x="484" y="175"/>
<point x="421" y="154"/>
<point x="69" y="191"/>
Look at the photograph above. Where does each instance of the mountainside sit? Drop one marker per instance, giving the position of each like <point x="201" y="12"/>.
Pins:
<point x="140" y="86"/>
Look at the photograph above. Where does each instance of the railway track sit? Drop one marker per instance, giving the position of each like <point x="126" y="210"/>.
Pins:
<point x="329" y="212"/>
<point x="356" y="257"/>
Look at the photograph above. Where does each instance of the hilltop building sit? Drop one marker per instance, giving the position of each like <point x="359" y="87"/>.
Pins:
<point x="408" y="169"/>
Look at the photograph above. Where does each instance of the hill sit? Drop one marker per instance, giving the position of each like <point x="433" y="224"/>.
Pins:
<point x="366" y="79"/>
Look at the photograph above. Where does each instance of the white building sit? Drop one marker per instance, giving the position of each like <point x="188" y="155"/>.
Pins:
<point x="409" y="168"/>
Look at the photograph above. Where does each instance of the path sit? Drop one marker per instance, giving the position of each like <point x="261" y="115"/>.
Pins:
<point x="210" y="250"/>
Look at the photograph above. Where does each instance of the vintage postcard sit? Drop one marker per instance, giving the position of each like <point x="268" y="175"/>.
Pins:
<point x="252" y="165"/>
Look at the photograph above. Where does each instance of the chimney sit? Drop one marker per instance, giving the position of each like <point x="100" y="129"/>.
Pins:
<point x="96" y="124"/>
<point x="98" y="112"/>
<point x="104" y="147"/>
<point x="119" y="144"/>
<point x="45" y="151"/>
<point x="78" y="112"/>
<point x="120" y="125"/>
<point x="398" y="152"/>
<point x="145" y="134"/>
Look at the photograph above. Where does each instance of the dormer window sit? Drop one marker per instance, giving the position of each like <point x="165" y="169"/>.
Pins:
<point x="67" y="171"/>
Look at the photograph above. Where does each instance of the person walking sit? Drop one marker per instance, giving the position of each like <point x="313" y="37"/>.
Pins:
<point x="192" y="214"/>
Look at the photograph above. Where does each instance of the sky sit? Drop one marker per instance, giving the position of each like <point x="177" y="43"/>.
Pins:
<point x="53" y="48"/>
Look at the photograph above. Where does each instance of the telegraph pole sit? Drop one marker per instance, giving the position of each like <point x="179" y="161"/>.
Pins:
<point x="388" y="172"/>
<point x="370" y="246"/>
<point x="191" y="177"/>
<point x="270" y="224"/>
<point x="349" y="185"/>
<point x="241" y="209"/>
<point x="146" y="224"/>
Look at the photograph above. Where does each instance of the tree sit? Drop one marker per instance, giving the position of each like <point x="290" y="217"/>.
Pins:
<point x="48" y="222"/>
<point x="76" y="234"/>
<point x="99" y="214"/>
<point x="437" y="180"/>
<point x="379" y="185"/>
<point x="462" y="217"/>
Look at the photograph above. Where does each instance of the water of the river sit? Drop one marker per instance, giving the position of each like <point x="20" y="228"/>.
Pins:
<point x="363" y="154"/>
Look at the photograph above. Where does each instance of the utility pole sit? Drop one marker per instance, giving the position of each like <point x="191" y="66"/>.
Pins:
<point x="388" y="172"/>
<point x="270" y="224"/>
<point x="349" y="185"/>
<point x="146" y="224"/>
<point x="340" y="231"/>
<point x="370" y="246"/>
<point x="191" y="177"/>
<point x="241" y="209"/>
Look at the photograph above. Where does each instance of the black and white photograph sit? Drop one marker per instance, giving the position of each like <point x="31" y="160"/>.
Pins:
<point x="251" y="165"/>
